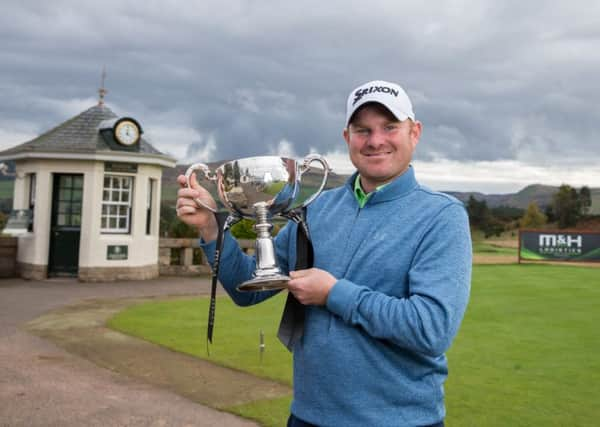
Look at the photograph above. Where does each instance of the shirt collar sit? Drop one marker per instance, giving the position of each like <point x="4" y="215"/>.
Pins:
<point x="398" y="187"/>
<point x="359" y="193"/>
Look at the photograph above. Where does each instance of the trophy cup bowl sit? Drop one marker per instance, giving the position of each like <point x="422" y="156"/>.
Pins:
<point x="260" y="188"/>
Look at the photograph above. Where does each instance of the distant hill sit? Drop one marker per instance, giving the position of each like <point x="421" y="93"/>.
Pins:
<point x="541" y="194"/>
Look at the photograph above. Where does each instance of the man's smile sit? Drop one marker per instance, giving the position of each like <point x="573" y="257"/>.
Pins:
<point x="378" y="154"/>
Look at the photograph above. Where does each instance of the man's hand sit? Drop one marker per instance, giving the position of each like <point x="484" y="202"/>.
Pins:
<point x="312" y="286"/>
<point x="191" y="212"/>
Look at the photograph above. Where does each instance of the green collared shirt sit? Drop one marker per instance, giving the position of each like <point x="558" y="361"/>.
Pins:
<point x="359" y="193"/>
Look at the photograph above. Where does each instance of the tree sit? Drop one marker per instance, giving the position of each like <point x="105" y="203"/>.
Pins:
<point x="566" y="206"/>
<point x="585" y="200"/>
<point x="549" y="212"/>
<point x="167" y="217"/>
<point x="244" y="229"/>
<point x="179" y="229"/>
<point x="478" y="211"/>
<point x="507" y="213"/>
<point x="171" y="226"/>
<point x="533" y="217"/>
<point x="576" y="201"/>
<point x="492" y="226"/>
<point x="481" y="217"/>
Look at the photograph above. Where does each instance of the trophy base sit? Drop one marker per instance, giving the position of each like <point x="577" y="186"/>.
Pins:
<point x="265" y="283"/>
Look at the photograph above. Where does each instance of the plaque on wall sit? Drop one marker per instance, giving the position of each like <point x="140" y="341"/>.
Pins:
<point x="120" y="167"/>
<point x="116" y="252"/>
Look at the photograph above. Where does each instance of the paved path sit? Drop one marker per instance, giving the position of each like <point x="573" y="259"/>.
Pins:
<point x="43" y="385"/>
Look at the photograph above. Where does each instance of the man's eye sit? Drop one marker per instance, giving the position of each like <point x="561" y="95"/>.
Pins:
<point x="391" y="128"/>
<point x="362" y="131"/>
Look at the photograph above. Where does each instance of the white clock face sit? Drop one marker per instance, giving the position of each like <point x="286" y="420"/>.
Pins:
<point x="127" y="133"/>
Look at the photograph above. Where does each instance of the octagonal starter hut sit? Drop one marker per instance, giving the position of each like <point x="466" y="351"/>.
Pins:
<point x="89" y="191"/>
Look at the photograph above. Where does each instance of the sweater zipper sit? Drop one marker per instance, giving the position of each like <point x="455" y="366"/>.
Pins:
<point x="349" y="240"/>
<point x="346" y="252"/>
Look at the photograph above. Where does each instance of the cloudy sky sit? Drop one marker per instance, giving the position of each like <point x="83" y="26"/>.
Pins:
<point x="507" y="91"/>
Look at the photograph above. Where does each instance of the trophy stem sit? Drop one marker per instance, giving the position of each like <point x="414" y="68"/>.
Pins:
<point x="267" y="275"/>
<point x="266" y="261"/>
<point x="262" y="226"/>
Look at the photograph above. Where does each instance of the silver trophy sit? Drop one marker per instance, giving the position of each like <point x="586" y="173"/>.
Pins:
<point x="260" y="188"/>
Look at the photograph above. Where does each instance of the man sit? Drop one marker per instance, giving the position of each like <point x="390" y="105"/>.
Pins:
<point x="390" y="282"/>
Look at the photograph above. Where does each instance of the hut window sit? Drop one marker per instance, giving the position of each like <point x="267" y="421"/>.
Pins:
<point x="149" y="200"/>
<point x="31" y="199"/>
<point x="116" y="204"/>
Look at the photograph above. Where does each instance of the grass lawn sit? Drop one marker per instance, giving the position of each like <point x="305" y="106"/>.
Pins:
<point x="527" y="352"/>
<point x="488" y="248"/>
<point x="181" y="325"/>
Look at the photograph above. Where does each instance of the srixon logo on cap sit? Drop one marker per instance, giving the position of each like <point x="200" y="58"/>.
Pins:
<point x="381" y="89"/>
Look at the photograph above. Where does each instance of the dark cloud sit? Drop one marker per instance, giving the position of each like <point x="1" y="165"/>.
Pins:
<point x="490" y="80"/>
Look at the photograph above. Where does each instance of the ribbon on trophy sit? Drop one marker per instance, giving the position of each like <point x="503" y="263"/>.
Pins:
<point x="224" y="222"/>
<point x="291" y="326"/>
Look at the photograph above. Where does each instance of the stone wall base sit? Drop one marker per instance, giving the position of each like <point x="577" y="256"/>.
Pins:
<point x="92" y="274"/>
<point x="111" y="274"/>
<point x="8" y="256"/>
<point x="32" y="271"/>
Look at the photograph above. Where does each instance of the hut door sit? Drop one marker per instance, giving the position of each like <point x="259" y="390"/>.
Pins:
<point x="67" y="194"/>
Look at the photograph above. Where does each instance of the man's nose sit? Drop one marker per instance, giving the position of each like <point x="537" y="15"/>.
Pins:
<point x="376" y="137"/>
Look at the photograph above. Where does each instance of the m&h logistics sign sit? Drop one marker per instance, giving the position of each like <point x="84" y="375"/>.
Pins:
<point x="559" y="245"/>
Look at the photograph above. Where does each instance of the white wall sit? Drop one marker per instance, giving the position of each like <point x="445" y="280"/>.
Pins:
<point x="34" y="247"/>
<point x="142" y="248"/>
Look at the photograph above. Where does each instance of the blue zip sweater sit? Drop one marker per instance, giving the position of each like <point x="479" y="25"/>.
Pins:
<point x="374" y="355"/>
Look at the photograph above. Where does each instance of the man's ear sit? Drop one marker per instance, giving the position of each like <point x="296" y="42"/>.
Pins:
<point x="346" y="135"/>
<point x="415" y="132"/>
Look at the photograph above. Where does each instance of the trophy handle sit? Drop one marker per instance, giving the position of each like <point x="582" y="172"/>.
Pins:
<point x="207" y="174"/>
<point x="306" y="166"/>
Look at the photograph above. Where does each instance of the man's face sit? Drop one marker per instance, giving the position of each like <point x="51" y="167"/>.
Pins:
<point x="380" y="146"/>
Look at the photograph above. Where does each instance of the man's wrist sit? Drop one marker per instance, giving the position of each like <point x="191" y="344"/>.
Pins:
<point x="208" y="234"/>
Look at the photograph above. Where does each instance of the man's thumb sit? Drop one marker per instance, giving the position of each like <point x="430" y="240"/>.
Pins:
<point x="194" y="181"/>
<point x="298" y="273"/>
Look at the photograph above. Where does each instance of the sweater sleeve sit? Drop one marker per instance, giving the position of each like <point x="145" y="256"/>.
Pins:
<point x="427" y="319"/>
<point x="237" y="267"/>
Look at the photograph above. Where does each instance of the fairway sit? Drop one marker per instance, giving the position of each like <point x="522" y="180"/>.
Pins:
<point x="526" y="354"/>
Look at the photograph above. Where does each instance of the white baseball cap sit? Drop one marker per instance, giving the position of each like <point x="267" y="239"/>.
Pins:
<point x="390" y="95"/>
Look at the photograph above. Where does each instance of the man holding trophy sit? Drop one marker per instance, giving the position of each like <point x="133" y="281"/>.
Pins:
<point x="390" y="276"/>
